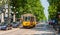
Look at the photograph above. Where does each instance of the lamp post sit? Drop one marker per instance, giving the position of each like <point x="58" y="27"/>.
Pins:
<point x="14" y="15"/>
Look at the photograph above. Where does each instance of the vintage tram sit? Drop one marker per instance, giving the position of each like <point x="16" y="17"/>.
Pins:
<point x="28" y="20"/>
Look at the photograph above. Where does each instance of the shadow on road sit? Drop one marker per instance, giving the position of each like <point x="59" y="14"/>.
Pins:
<point x="44" y="34"/>
<point x="42" y="27"/>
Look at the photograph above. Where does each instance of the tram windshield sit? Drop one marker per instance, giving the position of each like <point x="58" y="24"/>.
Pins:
<point x="27" y="18"/>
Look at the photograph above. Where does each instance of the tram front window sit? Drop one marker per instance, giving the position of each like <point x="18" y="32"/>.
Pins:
<point x="32" y="19"/>
<point x="27" y="18"/>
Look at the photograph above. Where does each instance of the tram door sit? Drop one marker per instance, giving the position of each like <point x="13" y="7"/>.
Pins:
<point x="31" y="20"/>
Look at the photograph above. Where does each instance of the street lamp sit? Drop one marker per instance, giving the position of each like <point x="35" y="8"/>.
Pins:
<point x="16" y="12"/>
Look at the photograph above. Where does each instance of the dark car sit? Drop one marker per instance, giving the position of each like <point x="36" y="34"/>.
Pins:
<point x="15" y="24"/>
<point x="50" y="22"/>
<point x="5" y="26"/>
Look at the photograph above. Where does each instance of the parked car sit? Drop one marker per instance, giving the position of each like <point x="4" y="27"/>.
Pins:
<point x="5" y="26"/>
<point x="50" y="22"/>
<point x="15" y="24"/>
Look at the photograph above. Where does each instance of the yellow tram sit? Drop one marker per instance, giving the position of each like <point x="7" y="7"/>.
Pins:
<point x="29" y="20"/>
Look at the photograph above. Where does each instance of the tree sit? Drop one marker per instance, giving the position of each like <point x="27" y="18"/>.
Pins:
<point x="29" y="6"/>
<point x="53" y="8"/>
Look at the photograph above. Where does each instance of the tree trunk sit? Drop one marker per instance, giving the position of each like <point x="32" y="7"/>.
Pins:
<point x="14" y="18"/>
<point x="2" y="19"/>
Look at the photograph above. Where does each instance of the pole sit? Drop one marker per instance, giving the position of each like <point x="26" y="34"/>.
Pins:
<point x="2" y="14"/>
<point x="14" y="17"/>
<point x="8" y="12"/>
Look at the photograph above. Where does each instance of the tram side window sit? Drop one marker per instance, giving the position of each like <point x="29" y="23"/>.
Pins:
<point x="32" y="19"/>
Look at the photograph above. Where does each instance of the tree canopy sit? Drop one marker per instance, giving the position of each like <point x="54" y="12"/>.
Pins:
<point x="53" y="8"/>
<point x="29" y="6"/>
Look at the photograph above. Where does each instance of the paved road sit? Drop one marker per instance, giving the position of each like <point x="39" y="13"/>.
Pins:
<point x="40" y="29"/>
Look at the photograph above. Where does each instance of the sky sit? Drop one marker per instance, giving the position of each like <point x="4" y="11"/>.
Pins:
<point x="45" y="4"/>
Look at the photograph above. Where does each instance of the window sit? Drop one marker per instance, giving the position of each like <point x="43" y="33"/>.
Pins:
<point x="27" y="18"/>
<point x="32" y="19"/>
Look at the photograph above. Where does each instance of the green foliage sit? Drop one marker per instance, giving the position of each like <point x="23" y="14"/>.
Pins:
<point x="53" y="8"/>
<point x="52" y="11"/>
<point x="29" y="6"/>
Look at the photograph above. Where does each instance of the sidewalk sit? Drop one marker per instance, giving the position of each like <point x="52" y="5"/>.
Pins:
<point x="7" y="31"/>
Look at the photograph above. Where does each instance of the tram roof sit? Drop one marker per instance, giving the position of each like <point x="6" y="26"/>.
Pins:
<point x="28" y="15"/>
